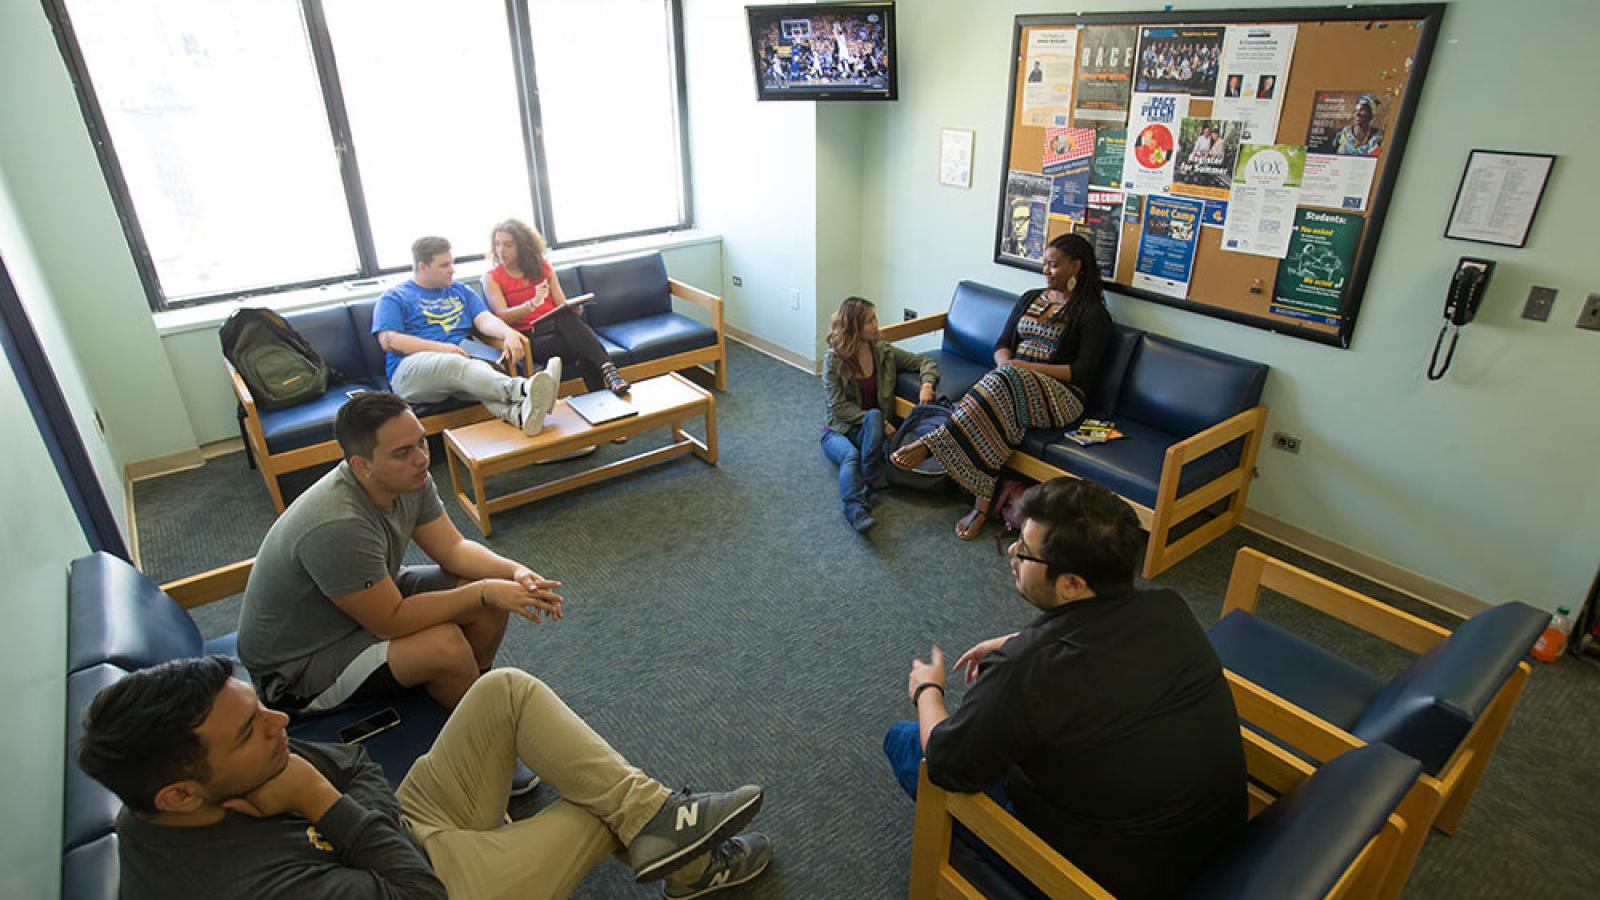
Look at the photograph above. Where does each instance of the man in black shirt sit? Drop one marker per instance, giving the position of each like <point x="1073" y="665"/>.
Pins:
<point x="220" y="803"/>
<point x="1106" y="721"/>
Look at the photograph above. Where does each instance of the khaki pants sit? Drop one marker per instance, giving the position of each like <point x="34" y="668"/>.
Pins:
<point x="454" y="797"/>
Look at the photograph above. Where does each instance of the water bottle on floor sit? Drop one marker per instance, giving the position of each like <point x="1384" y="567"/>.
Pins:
<point x="1554" y="640"/>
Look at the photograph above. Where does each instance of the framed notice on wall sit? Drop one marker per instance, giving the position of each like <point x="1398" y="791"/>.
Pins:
<point x="1498" y="197"/>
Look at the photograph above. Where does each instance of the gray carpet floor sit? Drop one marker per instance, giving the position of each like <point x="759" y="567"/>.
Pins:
<point x="725" y="626"/>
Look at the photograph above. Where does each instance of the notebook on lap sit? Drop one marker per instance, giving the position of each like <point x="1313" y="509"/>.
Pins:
<point x="600" y="407"/>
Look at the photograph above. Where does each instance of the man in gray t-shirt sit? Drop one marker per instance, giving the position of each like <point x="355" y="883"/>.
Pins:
<point x="330" y="615"/>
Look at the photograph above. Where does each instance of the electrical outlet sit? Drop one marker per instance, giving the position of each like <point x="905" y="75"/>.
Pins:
<point x="794" y="299"/>
<point x="1590" y="316"/>
<point x="737" y="281"/>
<point x="1282" y="440"/>
<point x="908" y="314"/>
<point x="1540" y="299"/>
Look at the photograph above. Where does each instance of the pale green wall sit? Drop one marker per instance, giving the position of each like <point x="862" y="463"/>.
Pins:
<point x="841" y="163"/>
<point x="39" y="534"/>
<point x="61" y="198"/>
<point x="1483" y="481"/>
<point x="755" y="180"/>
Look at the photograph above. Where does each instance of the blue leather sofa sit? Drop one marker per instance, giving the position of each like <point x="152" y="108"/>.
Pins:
<point x="1446" y="710"/>
<point x="631" y="313"/>
<point x="118" y="621"/>
<point x="1192" y="417"/>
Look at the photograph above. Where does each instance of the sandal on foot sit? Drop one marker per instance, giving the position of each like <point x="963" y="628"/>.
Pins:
<point x="971" y="524"/>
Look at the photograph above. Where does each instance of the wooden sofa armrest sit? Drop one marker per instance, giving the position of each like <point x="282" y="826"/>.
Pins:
<point x="899" y="331"/>
<point x="1252" y="420"/>
<point x="241" y="391"/>
<point x="1292" y="724"/>
<point x="931" y="873"/>
<point x="1253" y="570"/>
<point x="208" y="587"/>
<point x="705" y="300"/>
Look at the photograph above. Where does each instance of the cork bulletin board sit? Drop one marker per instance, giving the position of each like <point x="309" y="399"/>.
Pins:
<point x="1236" y="164"/>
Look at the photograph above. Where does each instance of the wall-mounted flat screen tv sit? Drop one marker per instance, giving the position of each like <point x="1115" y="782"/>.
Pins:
<point x="823" y="51"/>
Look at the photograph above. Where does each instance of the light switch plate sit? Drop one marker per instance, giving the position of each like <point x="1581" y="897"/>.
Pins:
<point x="1540" y="300"/>
<point x="1590" y="316"/>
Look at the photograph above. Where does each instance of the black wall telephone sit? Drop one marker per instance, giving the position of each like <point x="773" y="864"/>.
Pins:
<point x="1460" y="305"/>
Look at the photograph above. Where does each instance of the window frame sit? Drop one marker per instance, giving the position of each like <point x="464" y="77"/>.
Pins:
<point x="520" y="32"/>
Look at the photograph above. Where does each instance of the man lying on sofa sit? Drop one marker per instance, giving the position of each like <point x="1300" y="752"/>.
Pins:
<point x="421" y="325"/>
<point x="1105" y="725"/>
<point x="220" y="803"/>
<point x="330" y="615"/>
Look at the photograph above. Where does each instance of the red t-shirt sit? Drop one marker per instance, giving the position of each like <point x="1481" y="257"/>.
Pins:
<point x="521" y="290"/>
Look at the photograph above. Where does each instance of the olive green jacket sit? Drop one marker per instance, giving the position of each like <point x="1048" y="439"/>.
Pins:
<point x="844" y="396"/>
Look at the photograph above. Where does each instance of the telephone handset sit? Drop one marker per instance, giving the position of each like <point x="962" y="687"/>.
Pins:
<point x="1460" y="305"/>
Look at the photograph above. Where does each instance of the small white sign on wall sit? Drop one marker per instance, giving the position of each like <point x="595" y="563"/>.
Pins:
<point x="955" y="157"/>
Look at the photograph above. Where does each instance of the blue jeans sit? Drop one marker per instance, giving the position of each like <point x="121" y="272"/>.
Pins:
<point x="970" y="855"/>
<point x="859" y="455"/>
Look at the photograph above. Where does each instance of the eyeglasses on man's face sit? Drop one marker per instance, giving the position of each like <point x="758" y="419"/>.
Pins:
<point x="1016" y="549"/>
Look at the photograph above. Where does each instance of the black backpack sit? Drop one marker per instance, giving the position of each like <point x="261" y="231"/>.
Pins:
<point x="922" y="419"/>
<point x="280" y="367"/>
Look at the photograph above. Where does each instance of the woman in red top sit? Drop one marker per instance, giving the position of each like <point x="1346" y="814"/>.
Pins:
<point x="523" y="291"/>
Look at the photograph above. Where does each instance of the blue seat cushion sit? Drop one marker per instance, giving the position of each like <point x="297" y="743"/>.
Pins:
<point x="117" y="615"/>
<point x="630" y="288"/>
<point x="1120" y="347"/>
<point x="657" y="336"/>
<point x="329" y="330"/>
<point x="372" y="355"/>
<point x="977" y="315"/>
<point x="88" y="810"/>
<point x="1183" y="389"/>
<point x="395" y="750"/>
<point x="311" y="422"/>
<point x="92" y="872"/>
<point x="1302" y="845"/>
<point x="1428" y="709"/>
<point x="957" y="375"/>
<point x="1130" y="465"/>
<point x="1295" y="669"/>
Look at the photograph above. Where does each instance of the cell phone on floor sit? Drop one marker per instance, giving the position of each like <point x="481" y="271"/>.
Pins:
<point x="377" y="723"/>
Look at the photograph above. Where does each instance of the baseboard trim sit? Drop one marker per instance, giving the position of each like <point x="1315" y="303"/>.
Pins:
<point x="221" y="448"/>
<point x="1419" y="587"/>
<point x="164" y="465"/>
<point x="133" y="523"/>
<point x="781" y="354"/>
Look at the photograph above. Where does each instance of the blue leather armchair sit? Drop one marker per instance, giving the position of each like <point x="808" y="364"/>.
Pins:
<point x="1447" y="710"/>
<point x="632" y="314"/>
<point x="1314" y="833"/>
<point x="1192" y="420"/>
<point x="118" y="621"/>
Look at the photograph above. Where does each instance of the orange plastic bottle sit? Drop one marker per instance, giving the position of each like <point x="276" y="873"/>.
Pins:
<point x="1554" y="640"/>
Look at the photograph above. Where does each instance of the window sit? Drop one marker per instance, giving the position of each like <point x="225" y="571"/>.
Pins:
<point x="262" y="145"/>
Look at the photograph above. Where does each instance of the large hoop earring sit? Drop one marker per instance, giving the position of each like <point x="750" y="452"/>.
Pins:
<point x="1072" y="284"/>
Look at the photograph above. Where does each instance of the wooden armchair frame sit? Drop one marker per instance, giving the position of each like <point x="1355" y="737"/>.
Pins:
<point x="1273" y="773"/>
<point x="210" y="586"/>
<point x="1444" y="798"/>
<point x="1169" y="511"/>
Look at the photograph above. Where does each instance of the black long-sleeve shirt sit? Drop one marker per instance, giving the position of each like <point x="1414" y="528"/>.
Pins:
<point x="1115" y="732"/>
<point x="358" y="851"/>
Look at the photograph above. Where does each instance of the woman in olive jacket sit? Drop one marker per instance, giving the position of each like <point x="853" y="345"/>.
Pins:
<point x="858" y="373"/>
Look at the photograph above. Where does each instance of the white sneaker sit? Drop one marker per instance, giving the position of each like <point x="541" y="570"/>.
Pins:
<point x="538" y="398"/>
<point x="554" y="368"/>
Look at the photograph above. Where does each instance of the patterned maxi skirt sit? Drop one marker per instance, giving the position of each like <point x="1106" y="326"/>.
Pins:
<point x="990" y="421"/>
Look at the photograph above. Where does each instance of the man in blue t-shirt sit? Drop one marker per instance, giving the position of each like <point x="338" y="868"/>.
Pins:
<point x="421" y="325"/>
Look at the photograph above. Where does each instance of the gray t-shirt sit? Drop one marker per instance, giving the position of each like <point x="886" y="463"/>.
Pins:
<point x="333" y="540"/>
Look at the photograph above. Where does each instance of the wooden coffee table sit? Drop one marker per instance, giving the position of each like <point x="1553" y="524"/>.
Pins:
<point x="493" y="447"/>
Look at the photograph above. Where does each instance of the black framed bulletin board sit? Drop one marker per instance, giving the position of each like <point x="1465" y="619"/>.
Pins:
<point x="1234" y="163"/>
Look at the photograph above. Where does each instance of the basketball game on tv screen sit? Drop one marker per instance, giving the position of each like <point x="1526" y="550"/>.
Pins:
<point x="839" y="51"/>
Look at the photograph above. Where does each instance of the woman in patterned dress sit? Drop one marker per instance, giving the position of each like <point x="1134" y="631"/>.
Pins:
<point x="1046" y="361"/>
